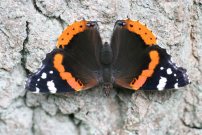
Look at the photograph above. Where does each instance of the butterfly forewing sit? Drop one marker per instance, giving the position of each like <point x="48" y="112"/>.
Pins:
<point x="73" y="67"/>
<point x="141" y="64"/>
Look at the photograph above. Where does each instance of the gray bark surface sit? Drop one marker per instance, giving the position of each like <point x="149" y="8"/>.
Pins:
<point x="29" y="29"/>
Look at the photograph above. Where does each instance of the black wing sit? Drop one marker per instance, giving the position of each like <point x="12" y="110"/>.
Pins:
<point x="138" y="60"/>
<point x="75" y="65"/>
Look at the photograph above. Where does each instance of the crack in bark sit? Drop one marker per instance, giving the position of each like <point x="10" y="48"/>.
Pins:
<point x="195" y="123"/>
<point x="77" y="125"/>
<point x="59" y="19"/>
<point x="162" y="10"/>
<point x="192" y="35"/>
<point x="24" y="50"/>
<point x="189" y="126"/>
<point x="146" y="7"/>
<point x="33" y="121"/>
<point x="6" y="32"/>
<point x="193" y="43"/>
<point x="67" y="2"/>
<point x="121" y="108"/>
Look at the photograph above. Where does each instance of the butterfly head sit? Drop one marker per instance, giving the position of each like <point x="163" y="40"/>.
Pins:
<point x="91" y="24"/>
<point x="120" y="23"/>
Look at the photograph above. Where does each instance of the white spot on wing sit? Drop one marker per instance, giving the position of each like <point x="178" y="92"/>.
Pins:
<point x="51" y="86"/>
<point x="176" y="86"/>
<point x="162" y="83"/>
<point x="51" y="72"/>
<point x="161" y="68"/>
<point x="44" y="75"/>
<point x="175" y="75"/>
<point x="38" y="80"/>
<point x="169" y="71"/>
<point x="37" y="90"/>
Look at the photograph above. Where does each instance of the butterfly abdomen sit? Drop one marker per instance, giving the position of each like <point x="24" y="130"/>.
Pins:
<point x="106" y="60"/>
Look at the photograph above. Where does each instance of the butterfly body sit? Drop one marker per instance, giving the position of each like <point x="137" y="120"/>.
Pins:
<point x="106" y="61"/>
<point x="132" y="60"/>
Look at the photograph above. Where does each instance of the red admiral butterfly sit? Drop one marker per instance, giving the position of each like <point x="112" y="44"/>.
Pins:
<point x="133" y="60"/>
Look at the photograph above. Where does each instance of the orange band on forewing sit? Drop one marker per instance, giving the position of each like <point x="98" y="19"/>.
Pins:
<point x="69" y="33"/>
<point x="154" y="56"/>
<point x="140" y="29"/>
<point x="137" y="83"/>
<point x="57" y="62"/>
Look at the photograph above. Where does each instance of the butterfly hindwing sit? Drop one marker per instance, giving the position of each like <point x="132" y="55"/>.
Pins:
<point x="167" y="75"/>
<point x="74" y="66"/>
<point x="137" y="59"/>
<point x="47" y="79"/>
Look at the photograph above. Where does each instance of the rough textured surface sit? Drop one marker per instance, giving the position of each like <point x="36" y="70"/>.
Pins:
<point x="29" y="29"/>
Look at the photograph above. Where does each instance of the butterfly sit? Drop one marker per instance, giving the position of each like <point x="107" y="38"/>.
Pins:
<point x="132" y="60"/>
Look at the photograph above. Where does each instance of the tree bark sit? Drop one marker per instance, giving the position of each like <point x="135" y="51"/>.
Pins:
<point x="29" y="29"/>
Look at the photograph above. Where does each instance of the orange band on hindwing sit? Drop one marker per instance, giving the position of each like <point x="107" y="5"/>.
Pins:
<point x="57" y="62"/>
<point x="70" y="31"/>
<point x="140" y="29"/>
<point x="137" y="83"/>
